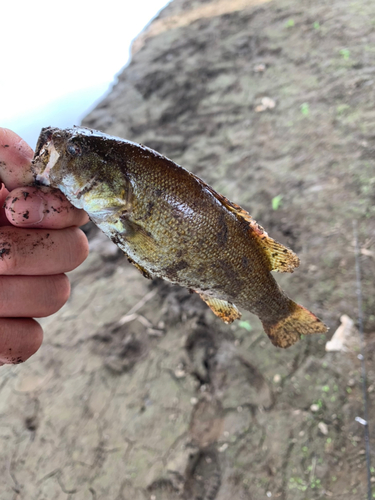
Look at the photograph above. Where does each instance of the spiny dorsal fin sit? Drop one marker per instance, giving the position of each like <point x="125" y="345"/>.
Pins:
<point x="281" y="258"/>
<point x="232" y="207"/>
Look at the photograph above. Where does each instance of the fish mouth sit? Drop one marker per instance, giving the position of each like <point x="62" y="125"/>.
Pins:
<point x="44" y="163"/>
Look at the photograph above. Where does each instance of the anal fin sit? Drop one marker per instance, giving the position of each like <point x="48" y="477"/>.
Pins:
<point x="224" y="310"/>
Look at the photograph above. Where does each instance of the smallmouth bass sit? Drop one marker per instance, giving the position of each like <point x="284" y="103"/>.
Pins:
<point x="172" y="225"/>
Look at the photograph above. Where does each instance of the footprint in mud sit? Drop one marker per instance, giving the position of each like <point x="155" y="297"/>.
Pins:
<point x="163" y="488"/>
<point x="121" y="346"/>
<point x="203" y="480"/>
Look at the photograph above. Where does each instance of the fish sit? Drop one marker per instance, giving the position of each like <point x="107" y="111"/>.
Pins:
<point x="173" y="225"/>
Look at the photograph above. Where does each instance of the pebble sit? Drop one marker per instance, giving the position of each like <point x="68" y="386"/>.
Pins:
<point x="323" y="428"/>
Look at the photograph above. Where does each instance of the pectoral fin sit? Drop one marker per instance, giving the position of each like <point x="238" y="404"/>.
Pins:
<point x="225" y="310"/>
<point x="138" y="235"/>
<point x="126" y="231"/>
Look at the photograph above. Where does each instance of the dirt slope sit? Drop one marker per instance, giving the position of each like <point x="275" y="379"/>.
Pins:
<point x="274" y="105"/>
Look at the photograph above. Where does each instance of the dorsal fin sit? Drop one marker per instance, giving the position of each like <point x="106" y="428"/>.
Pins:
<point x="232" y="207"/>
<point x="281" y="258"/>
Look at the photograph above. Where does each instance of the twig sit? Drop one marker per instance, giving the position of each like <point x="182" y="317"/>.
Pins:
<point x="125" y="319"/>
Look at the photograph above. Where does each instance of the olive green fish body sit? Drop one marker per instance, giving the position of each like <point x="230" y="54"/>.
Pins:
<point x="201" y="244"/>
<point x="174" y="226"/>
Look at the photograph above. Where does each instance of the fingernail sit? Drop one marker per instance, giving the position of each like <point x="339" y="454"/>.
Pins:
<point x="26" y="208"/>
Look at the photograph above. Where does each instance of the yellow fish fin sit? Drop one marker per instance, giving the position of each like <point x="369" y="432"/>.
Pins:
<point x="225" y="310"/>
<point x="281" y="259"/>
<point x="287" y="331"/>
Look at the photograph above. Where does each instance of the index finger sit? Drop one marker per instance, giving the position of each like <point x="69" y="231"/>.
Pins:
<point x="15" y="160"/>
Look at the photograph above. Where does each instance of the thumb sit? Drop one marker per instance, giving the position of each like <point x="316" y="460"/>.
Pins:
<point x="15" y="160"/>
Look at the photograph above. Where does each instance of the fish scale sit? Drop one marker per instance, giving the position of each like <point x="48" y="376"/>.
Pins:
<point x="172" y="225"/>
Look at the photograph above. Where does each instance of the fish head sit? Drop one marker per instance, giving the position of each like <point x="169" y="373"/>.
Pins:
<point x="77" y="161"/>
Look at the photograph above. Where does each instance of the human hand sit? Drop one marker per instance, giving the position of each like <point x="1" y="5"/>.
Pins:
<point x="39" y="242"/>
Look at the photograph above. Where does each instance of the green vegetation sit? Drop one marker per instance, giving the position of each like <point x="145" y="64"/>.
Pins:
<point x="342" y="109"/>
<point x="276" y="202"/>
<point x="299" y="484"/>
<point x="246" y="325"/>
<point x="305" y="109"/>
<point x="345" y="54"/>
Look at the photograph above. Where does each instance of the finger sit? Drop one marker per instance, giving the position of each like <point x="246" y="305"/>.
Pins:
<point x="42" y="207"/>
<point x="32" y="296"/>
<point x="41" y="251"/>
<point x="19" y="339"/>
<point x="15" y="160"/>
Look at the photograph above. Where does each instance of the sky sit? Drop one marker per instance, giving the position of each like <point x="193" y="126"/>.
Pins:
<point x="58" y="59"/>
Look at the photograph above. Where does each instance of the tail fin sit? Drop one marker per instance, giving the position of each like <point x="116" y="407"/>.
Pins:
<point x="287" y="331"/>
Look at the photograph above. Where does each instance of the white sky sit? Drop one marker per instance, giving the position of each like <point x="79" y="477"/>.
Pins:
<point x="58" y="58"/>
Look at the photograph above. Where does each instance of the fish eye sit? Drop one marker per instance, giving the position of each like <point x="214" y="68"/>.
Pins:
<point x="73" y="149"/>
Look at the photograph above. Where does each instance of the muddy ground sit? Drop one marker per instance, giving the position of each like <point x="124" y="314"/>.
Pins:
<point x="273" y="104"/>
